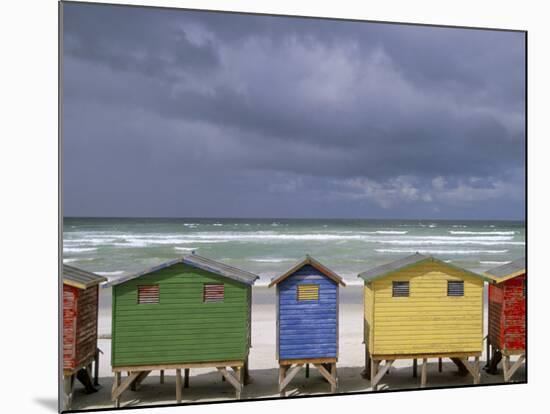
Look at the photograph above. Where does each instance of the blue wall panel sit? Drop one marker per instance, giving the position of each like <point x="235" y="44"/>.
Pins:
<point x="307" y="329"/>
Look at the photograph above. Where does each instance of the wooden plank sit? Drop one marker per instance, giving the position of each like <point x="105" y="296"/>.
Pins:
<point x="334" y="374"/>
<point x="440" y="364"/>
<point x="178" y="385"/>
<point x="282" y="370"/>
<point x="141" y="377"/>
<point x="308" y="361"/>
<point x="68" y="383"/>
<point x="289" y="376"/>
<point x="415" y="368"/>
<point x="373" y="371"/>
<point x="383" y="371"/>
<point x="124" y="385"/>
<point x="230" y="378"/>
<point x="424" y="373"/>
<point x="162" y="376"/>
<point x="326" y="374"/>
<point x="509" y="371"/>
<point x="307" y="370"/>
<point x="212" y="364"/>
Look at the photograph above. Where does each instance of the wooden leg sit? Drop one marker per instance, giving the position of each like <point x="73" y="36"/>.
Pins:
<point x="240" y="376"/>
<point x="117" y="384"/>
<point x="307" y="370"/>
<point x="96" y="367"/>
<point x="334" y="374"/>
<point x="68" y="383"/>
<point x="373" y="371"/>
<point x="366" y="371"/>
<point x="505" y="367"/>
<point x="424" y="373"/>
<point x="477" y="370"/>
<point x="282" y="370"/>
<point x="246" y="373"/>
<point x="415" y="368"/>
<point x="440" y="364"/>
<point x="162" y="376"/>
<point x="488" y="353"/>
<point x="186" y="378"/>
<point x="178" y="385"/>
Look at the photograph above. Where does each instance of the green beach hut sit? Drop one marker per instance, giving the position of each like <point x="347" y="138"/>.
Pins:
<point x="191" y="312"/>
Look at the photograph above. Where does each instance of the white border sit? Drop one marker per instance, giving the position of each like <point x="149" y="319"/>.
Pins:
<point x="28" y="167"/>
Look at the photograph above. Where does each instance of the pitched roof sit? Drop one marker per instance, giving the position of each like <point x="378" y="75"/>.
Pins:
<point x="507" y="271"/>
<point x="79" y="278"/>
<point x="199" y="262"/>
<point x="397" y="265"/>
<point x="312" y="262"/>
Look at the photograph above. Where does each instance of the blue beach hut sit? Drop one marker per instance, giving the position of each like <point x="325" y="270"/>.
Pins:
<point x="307" y="321"/>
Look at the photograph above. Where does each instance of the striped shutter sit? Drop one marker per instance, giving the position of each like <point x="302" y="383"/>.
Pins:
<point x="308" y="292"/>
<point x="455" y="288"/>
<point x="148" y="294"/>
<point x="213" y="293"/>
<point x="400" y="289"/>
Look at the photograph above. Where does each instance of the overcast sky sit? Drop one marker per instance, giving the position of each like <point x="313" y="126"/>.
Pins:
<point x="179" y="113"/>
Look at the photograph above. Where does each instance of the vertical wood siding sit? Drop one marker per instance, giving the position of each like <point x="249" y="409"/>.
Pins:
<point x="307" y="329"/>
<point x="181" y="328"/>
<point x="70" y="298"/>
<point x="514" y="314"/>
<point x="428" y="321"/>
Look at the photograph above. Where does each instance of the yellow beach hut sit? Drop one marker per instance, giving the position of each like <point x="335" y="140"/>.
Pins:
<point x="420" y="307"/>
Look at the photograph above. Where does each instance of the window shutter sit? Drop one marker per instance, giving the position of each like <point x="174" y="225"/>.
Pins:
<point x="400" y="289"/>
<point x="213" y="293"/>
<point x="308" y="292"/>
<point x="455" y="288"/>
<point x="148" y="294"/>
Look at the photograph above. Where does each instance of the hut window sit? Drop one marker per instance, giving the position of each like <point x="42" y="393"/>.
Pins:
<point x="308" y="292"/>
<point x="400" y="289"/>
<point x="455" y="288"/>
<point x="148" y="294"/>
<point x="213" y="293"/>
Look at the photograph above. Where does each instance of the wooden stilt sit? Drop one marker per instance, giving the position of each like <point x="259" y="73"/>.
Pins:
<point x="246" y="373"/>
<point x="366" y="371"/>
<point x="307" y="370"/>
<point x="373" y="371"/>
<point x="477" y="370"/>
<point x="96" y="367"/>
<point x="508" y="370"/>
<point x="240" y="376"/>
<point x="186" y="378"/>
<point x="424" y="373"/>
<point x="440" y="364"/>
<point x="488" y="353"/>
<point x="162" y="376"/>
<point x="116" y="385"/>
<point x="178" y="385"/>
<point x="232" y="380"/>
<point x="68" y="383"/>
<point x="334" y="373"/>
<point x="415" y="368"/>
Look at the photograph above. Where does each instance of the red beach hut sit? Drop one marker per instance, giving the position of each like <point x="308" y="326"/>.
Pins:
<point x="507" y="318"/>
<point x="80" y="309"/>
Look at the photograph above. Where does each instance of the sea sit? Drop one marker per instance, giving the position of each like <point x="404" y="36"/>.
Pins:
<point x="116" y="247"/>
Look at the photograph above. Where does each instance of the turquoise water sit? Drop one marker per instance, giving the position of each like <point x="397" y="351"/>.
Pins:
<point x="115" y="247"/>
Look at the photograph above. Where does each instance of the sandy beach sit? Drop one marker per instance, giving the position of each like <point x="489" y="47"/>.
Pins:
<point x="206" y="384"/>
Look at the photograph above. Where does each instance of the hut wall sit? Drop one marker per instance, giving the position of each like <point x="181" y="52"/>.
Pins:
<point x="70" y="298"/>
<point x="181" y="328"/>
<point x="308" y="329"/>
<point x="514" y="314"/>
<point x="86" y="324"/>
<point x="368" y="315"/>
<point x="428" y="321"/>
<point x="496" y="295"/>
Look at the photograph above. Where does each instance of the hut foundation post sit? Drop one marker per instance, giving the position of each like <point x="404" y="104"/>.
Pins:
<point x="440" y="364"/>
<point x="477" y="370"/>
<point x="96" y="367"/>
<point x="415" y="368"/>
<point x="366" y="371"/>
<point x="488" y="353"/>
<point x="246" y="379"/>
<point x="334" y="374"/>
<point x="178" y="385"/>
<point x="68" y="383"/>
<point x="424" y="373"/>
<point x="116" y="384"/>
<point x="186" y="378"/>
<point x="307" y="370"/>
<point x="162" y="376"/>
<point x="373" y="371"/>
<point x="509" y="371"/>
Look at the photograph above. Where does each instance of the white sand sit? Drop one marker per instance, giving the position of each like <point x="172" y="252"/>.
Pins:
<point x="206" y="384"/>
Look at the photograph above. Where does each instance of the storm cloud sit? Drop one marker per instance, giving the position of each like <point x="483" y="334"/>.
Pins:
<point x="187" y="113"/>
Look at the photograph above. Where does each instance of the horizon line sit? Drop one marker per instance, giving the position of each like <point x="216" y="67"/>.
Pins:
<point x="288" y="218"/>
